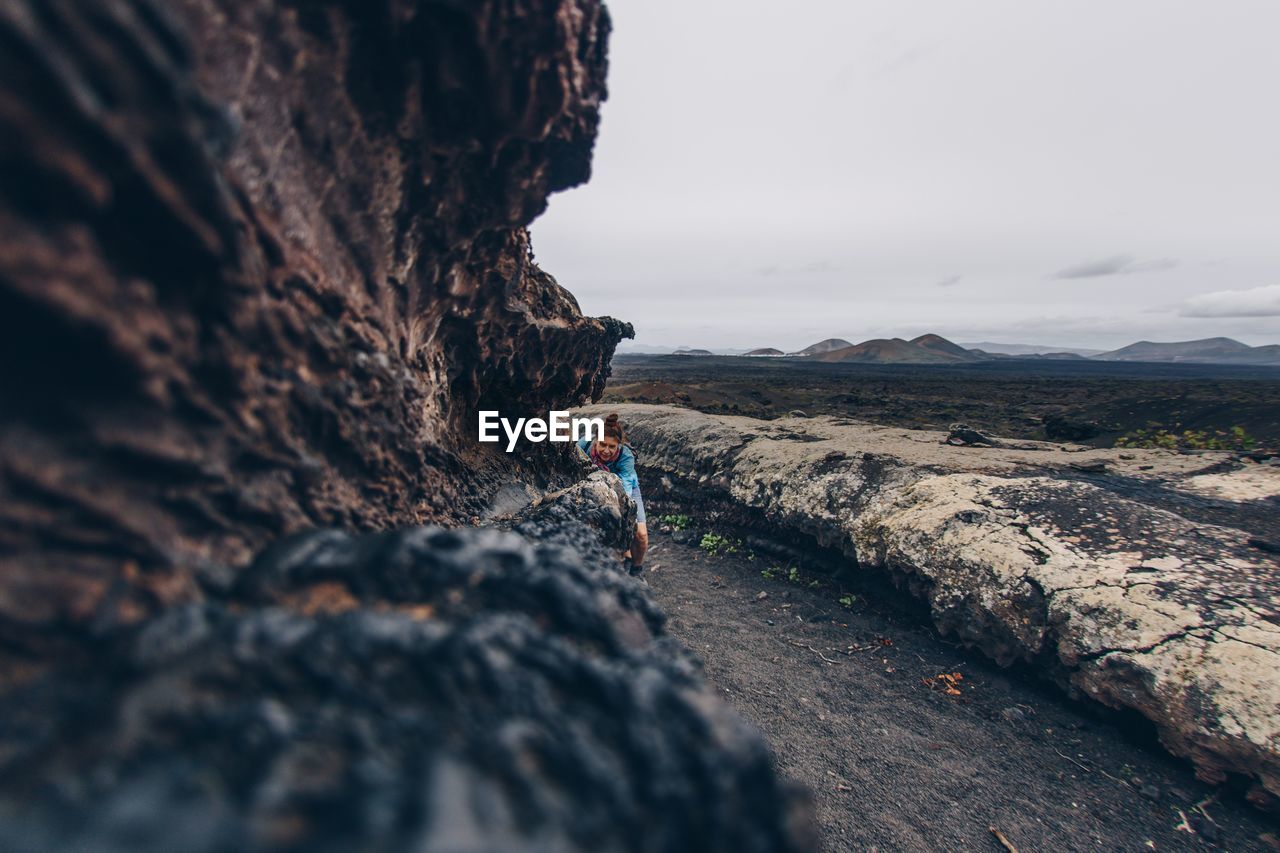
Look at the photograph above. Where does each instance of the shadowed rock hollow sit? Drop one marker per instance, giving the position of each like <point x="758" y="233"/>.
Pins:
<point x="260" y="263"/>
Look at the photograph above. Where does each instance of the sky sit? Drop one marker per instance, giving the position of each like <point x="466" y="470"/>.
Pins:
<point x="1023" y="171"/>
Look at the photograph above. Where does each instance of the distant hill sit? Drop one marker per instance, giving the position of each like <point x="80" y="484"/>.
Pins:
<point x="1206" y="351"/>
<point x="1026" y="349"/>
<point x="897" y="351"/>
<point x="935" y="349"/>
<point x="1068" y="355"/>
<point x="1268" y="356"/>
<point x="829" y="345"/>
<point x="1060" y="356"/>
<point x="942" y="346"/>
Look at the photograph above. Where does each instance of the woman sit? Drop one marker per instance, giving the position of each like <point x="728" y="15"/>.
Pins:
<point x="612" y="454"/>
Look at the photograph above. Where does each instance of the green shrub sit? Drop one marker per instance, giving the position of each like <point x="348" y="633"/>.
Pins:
<point x="714" y="543"/>
<point x="1192" y="439"/>
<point x="677" y="522"/>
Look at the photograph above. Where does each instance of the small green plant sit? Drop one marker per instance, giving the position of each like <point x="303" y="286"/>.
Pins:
<point x="1158" y="437"/>
<point x="815" y="584"/>
<point x="676" y="522"/>
<point x="714" y="543"/>
<point x="793" y="575"/>
<point x="770" y="573"/>
<point x="847" y="600"/>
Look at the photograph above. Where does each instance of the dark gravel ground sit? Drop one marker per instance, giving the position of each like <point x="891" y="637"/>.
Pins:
<point x="895" y="763"/>
<point x="1014" y="399"/>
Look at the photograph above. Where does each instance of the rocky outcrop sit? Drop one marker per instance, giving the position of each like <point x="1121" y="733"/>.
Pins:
<point x="1142" y="579"/>
<point x="259" y="264"/>
<point x="261" y="261"/>
<point x="426" y="689"/>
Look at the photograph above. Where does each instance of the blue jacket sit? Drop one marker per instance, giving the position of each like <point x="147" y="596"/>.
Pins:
<point x="624" y="466"/>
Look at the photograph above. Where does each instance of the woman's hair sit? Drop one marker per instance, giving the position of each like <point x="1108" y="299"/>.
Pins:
<point x="613" y="427"/>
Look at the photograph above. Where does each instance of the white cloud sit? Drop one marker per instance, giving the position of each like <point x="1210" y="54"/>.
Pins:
<point x="1257" y="302"/>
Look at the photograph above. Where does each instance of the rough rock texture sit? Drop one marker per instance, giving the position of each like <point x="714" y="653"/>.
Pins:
<point x="1111" y="569"/>
<point x="260" y="261"/>
<point x="427" y="689"/>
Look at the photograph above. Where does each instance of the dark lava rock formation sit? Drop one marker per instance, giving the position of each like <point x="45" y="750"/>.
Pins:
<point x="427" y="689"/>
<point x="259" y="264"/>
<point x="261" y="261"/>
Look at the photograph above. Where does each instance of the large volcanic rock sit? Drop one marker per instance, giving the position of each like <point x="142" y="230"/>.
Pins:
<point x="425" y="689"/>
<point x="259" y="262"/>
<point x="1143" y="579"/>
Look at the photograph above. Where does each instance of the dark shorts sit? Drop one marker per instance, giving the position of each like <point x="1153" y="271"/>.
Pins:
<point x="639" y="499"/>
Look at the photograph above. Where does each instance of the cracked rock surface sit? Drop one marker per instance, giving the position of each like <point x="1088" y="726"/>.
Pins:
<point x="426" y="689"/>
<point x="1113" y="571"/>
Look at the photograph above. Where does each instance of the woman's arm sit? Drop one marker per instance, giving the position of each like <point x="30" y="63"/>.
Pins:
<point x="626" y="471"/>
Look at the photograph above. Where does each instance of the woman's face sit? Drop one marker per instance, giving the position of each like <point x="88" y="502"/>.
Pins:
<point x="607" y="448"/>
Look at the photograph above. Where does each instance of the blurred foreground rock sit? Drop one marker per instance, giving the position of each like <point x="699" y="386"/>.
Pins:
<point x="261" y="262"/>
<point x="428" y="689"/>
<point x="1139" y="579"/>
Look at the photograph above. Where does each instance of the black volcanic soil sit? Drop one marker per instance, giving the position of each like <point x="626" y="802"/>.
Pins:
<point x="894" y="764"/>
<point x="1011" y="398"/>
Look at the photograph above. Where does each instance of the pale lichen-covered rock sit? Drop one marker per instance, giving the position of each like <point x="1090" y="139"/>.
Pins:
<point x="1129" y="582"/>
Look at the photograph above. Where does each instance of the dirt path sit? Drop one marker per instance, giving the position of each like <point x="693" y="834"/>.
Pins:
<point x="896" y="765"/>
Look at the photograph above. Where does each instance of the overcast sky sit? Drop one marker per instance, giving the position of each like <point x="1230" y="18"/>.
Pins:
<point x="1028" y="171"/>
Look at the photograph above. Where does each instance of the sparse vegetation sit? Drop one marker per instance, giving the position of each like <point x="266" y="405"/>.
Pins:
<point x="1236" y="438"/>
<point x="676" y="522"/>
<point x="770" y="573"/>
<point x="848" y="600"/>
<point x="714" y="543"/>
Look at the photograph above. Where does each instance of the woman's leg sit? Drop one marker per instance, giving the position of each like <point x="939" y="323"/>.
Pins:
<point x="640" y="544"/>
